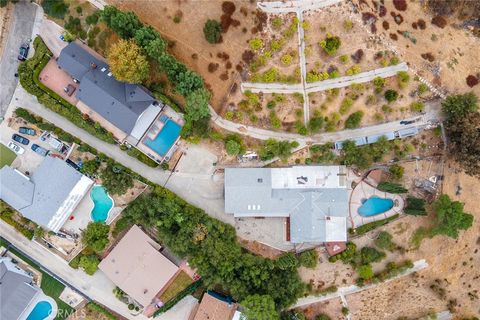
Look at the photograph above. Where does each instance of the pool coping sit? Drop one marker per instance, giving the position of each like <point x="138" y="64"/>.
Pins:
<point x="111" y="208"/>
<point x="39" y="298"/>
<point x="357" y="220"/>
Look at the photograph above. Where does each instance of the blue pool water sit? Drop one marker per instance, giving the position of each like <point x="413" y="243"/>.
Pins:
<point x="375" y="205"/>
<point x="41" y="310"/>
<point x="102" y="203"/>
<point x="165" y="139"/>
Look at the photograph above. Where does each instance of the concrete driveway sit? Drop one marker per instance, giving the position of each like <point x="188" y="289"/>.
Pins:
<point x="23" y="21"/>
<point x="51" y="32"/>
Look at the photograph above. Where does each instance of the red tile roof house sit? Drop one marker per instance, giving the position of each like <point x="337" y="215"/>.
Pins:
<point x="128" y="111"/>
<point x="137" y="267"/>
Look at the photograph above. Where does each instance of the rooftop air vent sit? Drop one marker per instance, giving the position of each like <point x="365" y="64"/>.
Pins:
<point x="259" y="180"/>
<point x="302" y="180"/>
<point x="93" y="65"/>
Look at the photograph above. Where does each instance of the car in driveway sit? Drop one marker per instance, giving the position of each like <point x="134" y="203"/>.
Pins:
<point x="23" y="52"/>
<point x="405" y="122"/>
<point x="26" y="130"/>
<point x="41" y="151"/>
<point x="15" y="148"/>
<point x="20" y="139"/>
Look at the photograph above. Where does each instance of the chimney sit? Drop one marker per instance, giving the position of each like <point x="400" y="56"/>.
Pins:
<point x="93" y="65"/>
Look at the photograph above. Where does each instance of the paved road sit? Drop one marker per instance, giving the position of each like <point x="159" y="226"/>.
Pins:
<point x="341" y="82"/>
<point x="195" y="181"/>
<point x="21" y="31"/>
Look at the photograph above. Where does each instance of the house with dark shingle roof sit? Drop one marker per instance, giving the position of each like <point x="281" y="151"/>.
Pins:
<point x="313" y="198"/>
<point x="128" y="111"/>
<point x="48" y="196"/>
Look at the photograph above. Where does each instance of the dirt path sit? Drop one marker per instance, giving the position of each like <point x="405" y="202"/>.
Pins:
<point x="5" y="23"/>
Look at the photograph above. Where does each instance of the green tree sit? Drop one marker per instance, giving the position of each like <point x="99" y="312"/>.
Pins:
<point x="365" y="272"/>
<point x="391" y="95"/>
<point x="391" y="187"/>
<point x="212" y="30"/>
<point x="156" y="48"/>
<point x="331" y="44"/>
<point x="145" y="35"/>
<point x="322" y="316"/>
<point x="403" y="78"/>
<point x="308" y="259"/>
<point x="369" y="255"/>
<point x="89" y="263"/>
<point x="396" y="171"/>
<point x="90" y="166"/>
<point x="355" y="156"/>
<point x="95" y="236"/>
<point x="127" y="62"/>
<point x="255" y="44"/>
<point x="384" y="241"/>
<point x="55" y="8"/>
<point x="287" y="261"/>
<point x="458" y="106"/>
<point x="259" y="307"/>
<point x="115" y="179"/>
<point x="450" y="217"/>
<point x="92" y="19"/>
<point x="232" y="147"/>
<point x="197" y="105"/>
<point x="463" y="136"/>
<point x="273" y="148"/>
<point x="188" y="82"/>
<point x="353" y="121"/>
<point x="125" y="24"/>
<point x="315" y="124"/>
<point x="415" y="206"/>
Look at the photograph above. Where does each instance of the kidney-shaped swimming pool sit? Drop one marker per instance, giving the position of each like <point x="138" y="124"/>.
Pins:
<point x="375" y="205"/>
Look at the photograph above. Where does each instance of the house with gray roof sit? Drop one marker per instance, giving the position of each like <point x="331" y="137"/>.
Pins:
<point x="17" y="291"/>
<point x="47" y="197"/>
<point x="128" y="107"/>
<point x="313" y="198"/>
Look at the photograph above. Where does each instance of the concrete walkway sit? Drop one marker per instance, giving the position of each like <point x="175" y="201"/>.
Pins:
<point x="341" y="82"/>
<point x="345" y="291"/>
<point x="295" y="5"/>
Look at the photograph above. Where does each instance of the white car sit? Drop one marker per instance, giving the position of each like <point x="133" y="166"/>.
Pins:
<point x="16" y="148"/>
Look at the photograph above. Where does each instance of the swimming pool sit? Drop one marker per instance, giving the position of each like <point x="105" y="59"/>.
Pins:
<point x="102" y="203"/>
<point x="165" y="138"/>
<point x="41" y="311"/>
<point x="375" y="205"/>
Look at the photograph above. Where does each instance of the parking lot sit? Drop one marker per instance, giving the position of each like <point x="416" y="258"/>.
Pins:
<point x="29" y="160"/>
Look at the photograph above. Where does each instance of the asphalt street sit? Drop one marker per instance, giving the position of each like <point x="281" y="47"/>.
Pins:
<point x="21" y="31"/>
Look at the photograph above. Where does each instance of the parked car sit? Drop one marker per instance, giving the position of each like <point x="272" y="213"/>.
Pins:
<point x="405" y="122"/>
<point x="26" y="130"/>
<point x="23" y="52"/>
<point x="20" y="139"/>
<point x="15" y="148"/>
<point x="41" y="151"/>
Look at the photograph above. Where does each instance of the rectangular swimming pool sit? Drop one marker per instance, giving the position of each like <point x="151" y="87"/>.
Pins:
<point x="165" y="138"/>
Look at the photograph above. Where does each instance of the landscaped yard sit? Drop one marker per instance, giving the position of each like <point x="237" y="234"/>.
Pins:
<point x="6" y="156"/>
<point x="50" y="286"/>
<point x="178" y="285"/>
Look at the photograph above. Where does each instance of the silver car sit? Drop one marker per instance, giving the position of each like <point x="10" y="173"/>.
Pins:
<point x="15" y="148"/>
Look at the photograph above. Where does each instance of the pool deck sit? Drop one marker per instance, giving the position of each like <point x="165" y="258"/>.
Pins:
<point x="364" y="191"/>
<point x="155" y="129"/>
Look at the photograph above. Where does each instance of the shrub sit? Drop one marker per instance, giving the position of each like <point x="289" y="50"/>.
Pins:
<point x="287" y="59"/>
<point x="142" y="157"/>
<point x="384" y="241"/>
<point x="369" y="255"/>
<point x="422" y="88"/>
<point x="277" y="22"/>
<point x="322" y="316"/>
<point x="287" y="261"/>
<point x="275" y="121"/>
<point x="394" y="61"/>
<point x="92" y="19"/>
<point x="212" y="30"/>
<point x="271" y="104"/>
<point x="232" y="147"/>
<point x="365" y="272"/>
<point x="403" y="78"/>
<point x="308" y="259"/>
<point x="95" y="236"/>
<point x="273" y="148"/>
<point x="90" y="166"/>
<point x="345" y="106"/>
<point x="97" y="308"/>
<point x="315" y="124"/>
<point x="415" y="206"/>
<point x="355" y="69"/>
<point x="116" y="179"/>
<point x="396" y="171"/>
<point x="379" y="82"/>
<point x="391" y="95"/>
<point x="255" y="44"/>
<point x="344" y="58"/>
<point x="353" y="121"/>
<point x="417" y="106"/>
<point x="331" y="44"/>
<point x="347" y="24"/>
<point x="391" y="187"/>
<point x="276" y="45"/>
<point x="371" y="225"/>
<point x="89" y="263"/>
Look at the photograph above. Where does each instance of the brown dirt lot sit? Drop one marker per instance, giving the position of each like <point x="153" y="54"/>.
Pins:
<point x="452" y="48"/>
<point x="5" y="21"/>
<point x="188" y="43"/>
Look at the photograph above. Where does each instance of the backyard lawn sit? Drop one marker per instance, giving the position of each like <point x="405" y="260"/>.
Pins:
<point x="178" y="285"/>
<point x="6" y="156"/>
<point x="50" y="286"/>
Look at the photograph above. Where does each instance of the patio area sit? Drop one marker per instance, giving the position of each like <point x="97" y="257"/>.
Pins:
<point x="364" y="191"/>
<point x="58" y="80"/>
